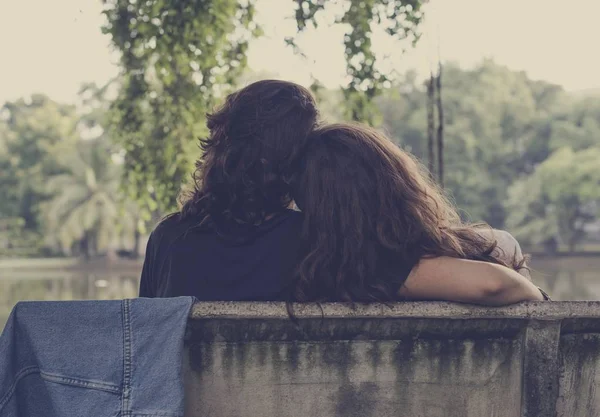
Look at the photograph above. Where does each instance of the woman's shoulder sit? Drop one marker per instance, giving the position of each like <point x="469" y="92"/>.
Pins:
<point x="505" y="241"/>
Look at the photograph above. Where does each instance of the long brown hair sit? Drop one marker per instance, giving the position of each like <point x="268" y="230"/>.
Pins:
<point x="370" y="214"/>
<point x="250" y="156"/>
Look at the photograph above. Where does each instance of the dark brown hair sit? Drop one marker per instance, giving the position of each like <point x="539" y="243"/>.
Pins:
<point x="370" y="214"/>
<point x="251" y="154"/>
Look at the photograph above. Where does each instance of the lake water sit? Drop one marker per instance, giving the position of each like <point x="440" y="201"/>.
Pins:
<point x="566" y="278"/>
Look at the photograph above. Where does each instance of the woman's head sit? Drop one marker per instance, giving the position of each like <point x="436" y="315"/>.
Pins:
<point x="249" y="157"/>
<point x="371" y="213"/>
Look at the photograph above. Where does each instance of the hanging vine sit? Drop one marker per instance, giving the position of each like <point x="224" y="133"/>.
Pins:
<point x="401" y="20"/>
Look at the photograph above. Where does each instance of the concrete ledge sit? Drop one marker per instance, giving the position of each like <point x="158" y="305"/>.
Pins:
<point x="542" y="310"/>
<point x="422" y="359"/>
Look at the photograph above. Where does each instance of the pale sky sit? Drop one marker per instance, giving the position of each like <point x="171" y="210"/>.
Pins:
<point x="54" y="46"/>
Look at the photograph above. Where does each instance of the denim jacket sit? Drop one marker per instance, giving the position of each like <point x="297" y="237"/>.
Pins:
<point x="94" y="358"/>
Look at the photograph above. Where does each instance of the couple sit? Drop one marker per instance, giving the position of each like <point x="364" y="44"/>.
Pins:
<point x="370" y="227"/>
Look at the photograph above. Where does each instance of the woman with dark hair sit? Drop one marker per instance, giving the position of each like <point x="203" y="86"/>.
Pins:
<point x="377" y="229"/>
<point x="235" y="237"/>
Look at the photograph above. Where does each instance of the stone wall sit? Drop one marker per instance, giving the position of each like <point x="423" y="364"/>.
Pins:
<point x="405" y="359"/>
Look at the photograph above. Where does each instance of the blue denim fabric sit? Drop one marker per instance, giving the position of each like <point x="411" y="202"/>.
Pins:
<point x="94" y="358"/>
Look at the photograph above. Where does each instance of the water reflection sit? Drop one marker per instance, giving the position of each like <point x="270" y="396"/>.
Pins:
<point x="568" y="278"/>
<point x="574" y="278"/>
<point x="66" y="286"/>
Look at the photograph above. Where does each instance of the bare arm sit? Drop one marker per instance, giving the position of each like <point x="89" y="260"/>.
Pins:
<point x="462" y="280"/>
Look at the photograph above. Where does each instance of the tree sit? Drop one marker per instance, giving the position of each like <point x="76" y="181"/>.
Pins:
<point x="95" y="108"/>
<point x="558" y="199"/>
<point x="49" y="153"/>
<point x="430" y="125"/>
<point x="494" y="131"/>
<point x="177" y="58"/>
<point x="440" y="127"/>
<point x="84" y="212"/>
<point x="9" y="182"/>
<point x="29" y="128"/>
<point x="576" y="123"/>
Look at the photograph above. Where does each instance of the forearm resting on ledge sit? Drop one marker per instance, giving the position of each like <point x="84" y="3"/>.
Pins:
<point x="467" y="281"/>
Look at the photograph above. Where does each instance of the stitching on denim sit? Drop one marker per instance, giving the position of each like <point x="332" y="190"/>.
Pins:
<point x="154" y="415"/>
<point x="81" y="383"/>
<point x="20" y="375"/>
<point x="157" y="414"/>
<point x="126" y="393"/>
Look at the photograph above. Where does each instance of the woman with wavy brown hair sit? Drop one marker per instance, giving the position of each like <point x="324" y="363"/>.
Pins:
<point x="235" y="237"/>
<point x="377" y="229"/>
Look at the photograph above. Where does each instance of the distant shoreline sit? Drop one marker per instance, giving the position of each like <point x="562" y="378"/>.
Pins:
<point x="71" y="264"/>
<point x="104" y="263"/>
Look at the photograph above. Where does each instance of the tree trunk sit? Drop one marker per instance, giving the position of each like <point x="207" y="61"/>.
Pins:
<point x="85" y="246"/>
<point x="575" y="233"/>
<point x="430" y="125"/>
<point x="136" y="243"/>
<point x="440" y="129"/>
<point x="572" y="244"/>
<point x="551" y="246"/>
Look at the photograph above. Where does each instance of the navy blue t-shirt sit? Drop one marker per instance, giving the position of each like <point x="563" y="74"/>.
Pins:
<point x="183" y="259"/>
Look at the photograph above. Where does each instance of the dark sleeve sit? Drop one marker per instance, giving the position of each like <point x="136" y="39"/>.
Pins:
<point x="545" y="295"/>
<point x="147" y="284"/>
<point x="405" y="271"/>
